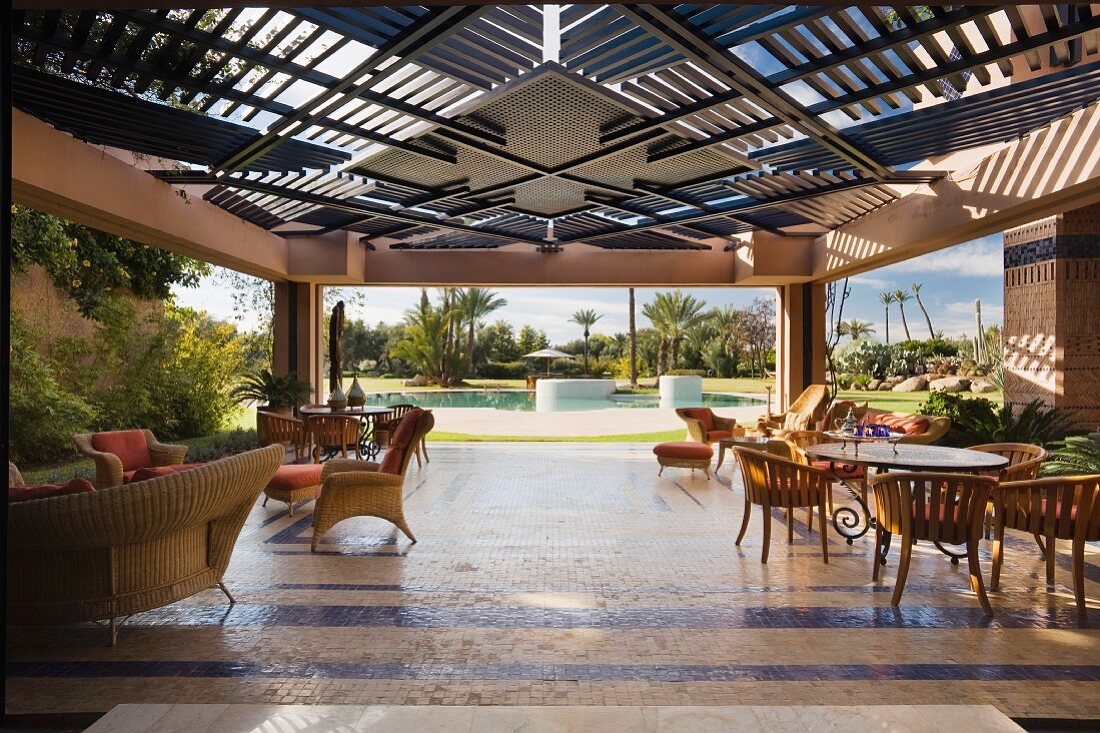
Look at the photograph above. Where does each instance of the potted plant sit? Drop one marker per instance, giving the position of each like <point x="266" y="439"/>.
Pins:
<point x="271" y="393"/>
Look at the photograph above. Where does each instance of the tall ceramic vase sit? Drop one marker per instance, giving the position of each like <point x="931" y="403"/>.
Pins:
<point x="356" y="396"/>
<point x="338" y="400"/>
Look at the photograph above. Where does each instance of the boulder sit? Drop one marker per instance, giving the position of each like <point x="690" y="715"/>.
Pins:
<point x="981" y="385"/>
<point x="949" y="384"/>
<point x="885" y="387"/>
<point x="418" y="381"/>
<point x="913" y="384"/>
<point x="892" y="382"/>
<point x="873" y="385"/>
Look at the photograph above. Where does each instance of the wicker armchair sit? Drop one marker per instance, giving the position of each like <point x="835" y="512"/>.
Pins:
<point x="282" y="429"/>
<point x="118" y="551"/>
<point x="368" y="489"/>
<point x="804" y="413"/>
<point x="704" y="426"/>
<point x="139" y="449"/>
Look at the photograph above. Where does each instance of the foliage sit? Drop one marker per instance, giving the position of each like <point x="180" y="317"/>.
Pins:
<point x="1077" y="455"/>
<point x="673" y="315"/>
<point x="530" y="339"/>
<point x="855" y="329"/>
<point x="500" y="340"/>
<point x="264" y="388"/>
<point x="503" y="370"/>
<point x="975" y="420"/>
<point x="42" y="415"/>
<point x="861" y="381"/>
<point x="473" y="305"/>
<point x="253" y="300"/>
<point x="585" y="318"/>
<point x="760" y="333"/>
<point x="929" y="348"/>
<point x="869" y="358"/>
<point x="91" y="266"/>
<point x="686" y="373"/>
<point x="430" y="341"/>
<point x="224" y="444"/>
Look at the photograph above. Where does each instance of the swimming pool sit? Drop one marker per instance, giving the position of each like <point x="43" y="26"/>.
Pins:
<point x="524" y="400"/>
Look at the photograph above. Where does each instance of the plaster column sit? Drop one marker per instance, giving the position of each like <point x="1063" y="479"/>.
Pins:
<point x="297" y="333"/>
<point x="1052" y="313"/>
<point x="799" y="341"/>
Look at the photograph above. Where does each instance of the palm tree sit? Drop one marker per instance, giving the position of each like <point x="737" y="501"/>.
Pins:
<point x="856" y="328"/>
<point x="672" y="315"/>
<point x="886" y="297"/>
<point x="585" y="318"/>
<point x="901" y="297"/>
<point x="915" y="287"/>
<point x="475" y="304"/>
<point x="633" y="345"/>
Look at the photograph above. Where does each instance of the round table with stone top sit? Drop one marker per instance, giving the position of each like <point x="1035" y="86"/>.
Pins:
<point x="902" y="457"/>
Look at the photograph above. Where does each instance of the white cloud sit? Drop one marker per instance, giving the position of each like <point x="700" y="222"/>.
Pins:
<point x="980" y="258"/>
<point x="870" y="281"/>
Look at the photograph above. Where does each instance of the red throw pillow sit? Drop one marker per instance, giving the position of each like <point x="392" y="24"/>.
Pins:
<point x="46" y="491"/>
<point x="403" y="435"/>
<point x="701" y="413"/>
<point x="391" y="462"/>
<point x="148" y="472"/>
<point x="128" y="445"/>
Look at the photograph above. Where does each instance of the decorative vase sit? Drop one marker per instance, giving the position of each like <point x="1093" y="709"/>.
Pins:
<point x="356" y="396"/>
<point x="338" y="400"/>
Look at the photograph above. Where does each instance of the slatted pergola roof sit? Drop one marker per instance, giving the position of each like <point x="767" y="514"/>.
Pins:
<point x="618" y="126"/>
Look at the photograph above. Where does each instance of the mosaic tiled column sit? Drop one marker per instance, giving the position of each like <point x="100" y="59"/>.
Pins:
<point x="1052" y="313"/>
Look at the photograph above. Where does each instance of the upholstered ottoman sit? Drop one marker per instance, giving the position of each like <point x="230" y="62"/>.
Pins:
<point x="294" y="482"/>
<point x="684" y="455"/>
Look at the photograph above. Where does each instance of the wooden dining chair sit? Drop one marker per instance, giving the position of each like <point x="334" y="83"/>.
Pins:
<point x="771" y="481"/>
<point x="938" y="507"/>
<point x="290" y="431"/>
<point x="800" y="440"/>
<point x="1050" y="509"/>
<point x="1024" y="461"/>
<point x="332" y="432"/>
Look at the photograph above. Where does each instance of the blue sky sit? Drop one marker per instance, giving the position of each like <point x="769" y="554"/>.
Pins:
<point x="952" y="279"/>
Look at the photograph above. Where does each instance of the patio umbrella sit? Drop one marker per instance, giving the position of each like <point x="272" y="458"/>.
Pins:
<point x="548" y="354"/>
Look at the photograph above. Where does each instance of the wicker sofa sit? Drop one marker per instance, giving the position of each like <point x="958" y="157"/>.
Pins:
<point x="919" y="429"/>
<point x="121" y="550"/>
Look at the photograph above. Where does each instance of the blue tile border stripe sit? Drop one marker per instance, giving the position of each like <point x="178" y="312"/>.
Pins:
<point x="561" y="672"/>
<point x="511" y="617"/>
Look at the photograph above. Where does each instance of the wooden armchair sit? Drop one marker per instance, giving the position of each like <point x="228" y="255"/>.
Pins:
<point x="940" y="507"/>
<point x="771" y="481"/>
<point x="284" y="429"/>
<point x="1024" y="460"/>
<point x="704" y="426"/>
<point x="332" y="432"/>
<point x="803" y="414"/>
<point x="120" y="453"/>
<point x="1050" y="509"/>
<point x="368" y="489"/>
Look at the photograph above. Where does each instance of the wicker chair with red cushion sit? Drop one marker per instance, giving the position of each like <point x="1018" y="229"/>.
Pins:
<point x="118" y="454"/>
<point x="352" y="488"/>
<point x="704" y="426"/>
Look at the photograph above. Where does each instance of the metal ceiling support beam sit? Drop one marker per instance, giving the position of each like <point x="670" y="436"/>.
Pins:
<point x="435" y="28"/>
<point x="722" y="64"/>
<point x="752" y="205"/>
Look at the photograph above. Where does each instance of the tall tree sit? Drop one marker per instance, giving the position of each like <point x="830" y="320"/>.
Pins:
<point x="886" y="297"/>
<point x="531" y="339"/>
<point x="475" y="304"/>
<point x="633" y="345"/>
<point x="586" y="318"/>
<point x="856" y="328"/>
<point x="915" y="287"/>
<point x="730" y="325"/>
<point x="901" y="297"/>
<point x="760" y="331"/>
<point x="672" y="315"/>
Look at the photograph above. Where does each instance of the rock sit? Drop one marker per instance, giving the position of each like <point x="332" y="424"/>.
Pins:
<point x="885" y="387"/>
<point x="949" y="384"/>
<point x="981" y="385"/>
<point x="418" y="381"/>
<point x="873" y="385"/>
<point x="892" y="382"/>
<point x="913" y="384"/>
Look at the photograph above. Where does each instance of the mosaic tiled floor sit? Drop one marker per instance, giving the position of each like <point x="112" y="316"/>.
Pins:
<point x="562" y="574"/>
<point x="557" y="719"/>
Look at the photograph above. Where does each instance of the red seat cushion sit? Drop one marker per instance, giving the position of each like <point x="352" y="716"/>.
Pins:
<point x="294" y="476"/>
<point x="701" y="413"/>
<point x="691" y="451"/>
<point x="128" y="445"/>
<point x="144" y="474"/>
<point x="400" y="442"/>
<point x="899" y="421"/>
<point x="46" y="491"/>
<point x="716" y="435"/>
<point x="839" y="470"/>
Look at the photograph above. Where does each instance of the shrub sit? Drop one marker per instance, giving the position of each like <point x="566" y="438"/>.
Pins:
<point x="864" y="357"/>
<point x="223" y="444"/>
<point x="503" y="370"/>
<point x="928" y="348"/>
<point x="902" y="361"/>
<point x="861" y="381"/>
<point x="976" y="420"/>
<point x="1074" y="456"/>
<point x="686" y="373"/>
<point x="42" y="415"/>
